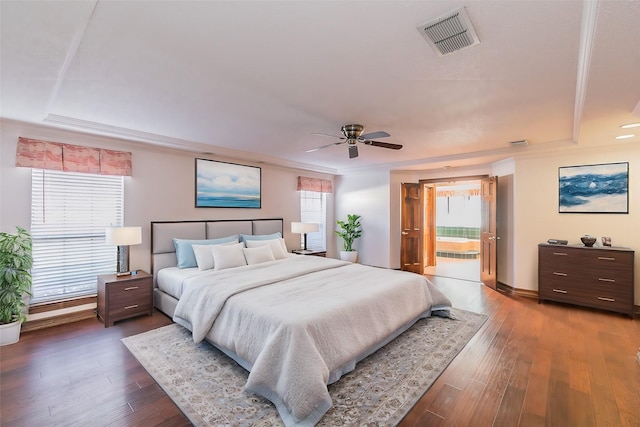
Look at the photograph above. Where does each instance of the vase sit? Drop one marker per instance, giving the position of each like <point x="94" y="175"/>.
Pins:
<point x="10" y="333"/>
<point x="351" y="256"/>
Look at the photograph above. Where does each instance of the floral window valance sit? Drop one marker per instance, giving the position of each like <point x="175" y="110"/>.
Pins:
<point x="32" y="153"/>
<point x="314" y="184"/>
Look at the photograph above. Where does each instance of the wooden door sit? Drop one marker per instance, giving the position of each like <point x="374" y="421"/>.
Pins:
<point x="429" y="193"/>
<point x="411" y="225"/>
<point x="488" y="238"/>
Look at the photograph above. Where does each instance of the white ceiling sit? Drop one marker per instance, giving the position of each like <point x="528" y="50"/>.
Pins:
<point x="256" y="79"/>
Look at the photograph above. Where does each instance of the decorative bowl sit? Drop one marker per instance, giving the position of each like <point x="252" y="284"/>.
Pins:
<point x="587" y="240"/>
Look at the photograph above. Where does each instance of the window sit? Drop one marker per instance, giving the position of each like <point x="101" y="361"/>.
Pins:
<point x="313" y="208"/>
<point x="69" y="213"/>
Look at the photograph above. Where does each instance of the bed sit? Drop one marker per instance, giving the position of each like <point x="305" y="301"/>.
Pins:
<point x="296" y="323"/>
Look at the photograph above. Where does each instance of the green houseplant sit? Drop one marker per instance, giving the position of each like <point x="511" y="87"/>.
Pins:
<point x="15" y="282"/>
<point x="350" y="231"/>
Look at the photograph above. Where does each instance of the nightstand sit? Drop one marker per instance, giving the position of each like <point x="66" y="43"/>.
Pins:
<point x="122" y="297"/>
<point x="307" y="252"/>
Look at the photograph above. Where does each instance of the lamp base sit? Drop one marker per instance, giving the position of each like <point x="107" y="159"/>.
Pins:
<point x="122" y="265"/>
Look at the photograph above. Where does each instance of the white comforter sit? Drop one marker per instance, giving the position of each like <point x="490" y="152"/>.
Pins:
<point x="299" y="324"/>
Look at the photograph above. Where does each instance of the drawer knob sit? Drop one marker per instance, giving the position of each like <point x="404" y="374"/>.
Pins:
<point x="560" y="253"/>
<point x="606" y="299"/>
<point x="606" y="258"/>
<point x="556" y="273"/>
<point x="130" y="288"/>
<point x="606" y="280"/>
<point x="129" y="307"/>
<point x="560" y="291"/>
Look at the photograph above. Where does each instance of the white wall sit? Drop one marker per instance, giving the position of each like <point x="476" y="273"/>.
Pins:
<point x="161" y="187"/>
<point x="367" y="195"/>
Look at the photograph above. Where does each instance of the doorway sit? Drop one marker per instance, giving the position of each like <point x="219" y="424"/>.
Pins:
<point x="457" y="218"/>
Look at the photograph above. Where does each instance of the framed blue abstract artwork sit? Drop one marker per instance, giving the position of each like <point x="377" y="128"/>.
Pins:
<point x="600" y="188"/>
<point x="227" y="185"/>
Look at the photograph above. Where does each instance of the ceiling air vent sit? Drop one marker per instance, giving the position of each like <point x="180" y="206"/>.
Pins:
<point x="450" y="33"/>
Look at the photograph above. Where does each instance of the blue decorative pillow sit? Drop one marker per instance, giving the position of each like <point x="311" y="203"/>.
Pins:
<point x="184" y="251"/>
<point x="245" y="237"/>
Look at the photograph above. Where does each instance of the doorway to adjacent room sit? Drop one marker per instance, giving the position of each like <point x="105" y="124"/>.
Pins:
<point x="458" y="216"/>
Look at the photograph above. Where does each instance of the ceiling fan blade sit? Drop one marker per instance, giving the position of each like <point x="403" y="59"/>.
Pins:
<point x="325" y="146"/>
<point x="353" y="151"/>
<point x="383" y="144"/>
<point x="374" y="135"/>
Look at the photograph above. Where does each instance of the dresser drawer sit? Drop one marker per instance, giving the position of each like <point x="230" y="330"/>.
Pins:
<point x="559" y="293"/>
<point x="560" y="256"/>
<point x="608" y="278"/>
<point x="608" y="259"/>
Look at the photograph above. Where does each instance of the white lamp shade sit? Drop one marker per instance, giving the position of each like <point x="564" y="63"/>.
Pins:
<point x="123" y="236"/>
<point x="304" y="227"/>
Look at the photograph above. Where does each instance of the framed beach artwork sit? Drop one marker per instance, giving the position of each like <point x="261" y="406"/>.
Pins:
<point x="227" y="185"/>
<point x="600" y="188"/>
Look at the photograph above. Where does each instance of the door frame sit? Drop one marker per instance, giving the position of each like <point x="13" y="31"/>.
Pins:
<point x="431" y="209"/>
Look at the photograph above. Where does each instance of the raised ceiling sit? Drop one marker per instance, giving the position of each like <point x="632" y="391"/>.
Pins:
<point x="256" y="79"/>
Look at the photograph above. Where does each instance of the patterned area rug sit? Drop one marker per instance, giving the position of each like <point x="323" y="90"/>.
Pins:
<point x="208" y="386"/>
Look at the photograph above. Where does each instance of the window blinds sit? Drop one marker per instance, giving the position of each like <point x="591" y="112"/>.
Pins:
<point x="69" y="213"/>
<point x="313" y="209"/>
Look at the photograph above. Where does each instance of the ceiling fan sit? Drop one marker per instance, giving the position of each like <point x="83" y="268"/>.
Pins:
<point x="353" y="135"/>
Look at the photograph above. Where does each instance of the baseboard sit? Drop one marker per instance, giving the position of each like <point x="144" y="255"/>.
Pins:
<point x="527" y="293"/>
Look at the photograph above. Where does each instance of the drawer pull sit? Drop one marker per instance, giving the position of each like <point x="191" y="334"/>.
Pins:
<point x="129" y="307"/>
<point x="555" y="273"/>
<point x="130" y="288"/>
<point x="606" y="299"/>
<point x="560" y="253"/>
<point x="560" y="291"/>
<point x="606" y="258"/>
<point x="606" y="280"/>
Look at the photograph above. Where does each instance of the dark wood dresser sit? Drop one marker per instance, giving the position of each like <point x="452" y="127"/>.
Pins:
<point x="592" y="277"/>
<point x="121" y="297"/>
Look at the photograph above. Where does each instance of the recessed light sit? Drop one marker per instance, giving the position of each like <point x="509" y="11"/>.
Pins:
<point x="624" y="136"/>
<point x="630" y="125"/>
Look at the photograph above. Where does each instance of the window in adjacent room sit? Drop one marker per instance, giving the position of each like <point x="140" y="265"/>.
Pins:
<point x="313" y="208"/>
<point x="69" y="213"/>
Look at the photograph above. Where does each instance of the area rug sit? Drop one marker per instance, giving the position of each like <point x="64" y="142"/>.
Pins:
<point x="208" y="386"/>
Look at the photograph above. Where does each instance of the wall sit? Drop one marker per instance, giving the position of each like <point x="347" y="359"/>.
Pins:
<point x="536" y="216"/>
<point x="161" y="187"/>
<point x="367" y="195"/>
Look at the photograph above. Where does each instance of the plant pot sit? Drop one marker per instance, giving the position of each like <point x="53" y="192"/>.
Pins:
<point x="351" y="256"/>
<point x="10" y="333"/>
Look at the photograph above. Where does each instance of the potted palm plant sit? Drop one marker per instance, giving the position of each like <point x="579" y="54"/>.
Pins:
<point x="15" y="282"/>
<point x="350" y="231"/>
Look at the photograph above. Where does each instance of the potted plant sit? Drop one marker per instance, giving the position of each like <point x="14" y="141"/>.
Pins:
<point x="350" y="231"/>
<point x="15" y="282"/>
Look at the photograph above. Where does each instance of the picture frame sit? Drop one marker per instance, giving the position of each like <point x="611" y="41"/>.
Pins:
<point x="227" y="185"/>
<point x="599" y="188"/>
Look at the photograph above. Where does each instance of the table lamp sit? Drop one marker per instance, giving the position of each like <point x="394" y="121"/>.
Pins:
<point x="304" y="228"/>
<point x="122" y="237"/>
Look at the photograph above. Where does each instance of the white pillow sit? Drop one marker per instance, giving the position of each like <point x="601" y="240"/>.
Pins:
<point x="275" y="245"/>
<point x="204" y="256"/>
<point x="258" y="255"/>
<point x="228" y="256"/>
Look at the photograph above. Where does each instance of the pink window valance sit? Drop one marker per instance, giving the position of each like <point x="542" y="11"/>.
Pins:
<point x="314" y="184"/>
<point x="33" y="153"/>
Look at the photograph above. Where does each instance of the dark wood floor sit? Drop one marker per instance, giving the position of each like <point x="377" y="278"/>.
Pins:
<point x="529" y="365"/>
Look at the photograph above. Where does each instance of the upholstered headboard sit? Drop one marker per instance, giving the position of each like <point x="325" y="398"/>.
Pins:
<point x="163" y="252"/>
